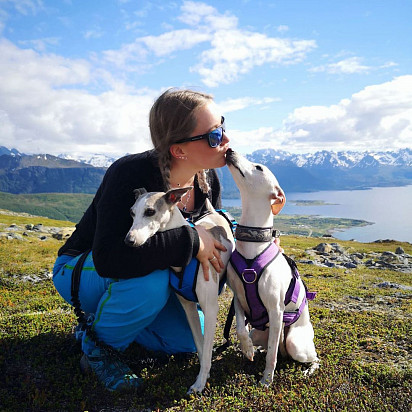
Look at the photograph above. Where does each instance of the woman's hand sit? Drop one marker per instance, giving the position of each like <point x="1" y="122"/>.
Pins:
<point x="277" y="243"/>
<point x="209" y="252"/>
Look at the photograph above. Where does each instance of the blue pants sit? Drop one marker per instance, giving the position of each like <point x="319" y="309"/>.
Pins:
<point x="143" y="310"/>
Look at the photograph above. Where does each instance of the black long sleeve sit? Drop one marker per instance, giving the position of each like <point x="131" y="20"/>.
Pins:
<point x="107" y="221"/>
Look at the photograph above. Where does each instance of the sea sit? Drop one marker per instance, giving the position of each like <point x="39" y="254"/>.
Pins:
<point x="387" y="209"/>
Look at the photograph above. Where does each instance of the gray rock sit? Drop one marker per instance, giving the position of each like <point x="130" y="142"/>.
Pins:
<point x="324" y="248"/>
<point x="334" y="255"/>
<point x="399" y="250"/>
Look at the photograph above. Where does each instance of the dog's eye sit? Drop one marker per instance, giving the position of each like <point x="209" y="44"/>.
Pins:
<point x="259" y="167"/>
<point x="149" y="212"/>
<point x="131" y="213"/>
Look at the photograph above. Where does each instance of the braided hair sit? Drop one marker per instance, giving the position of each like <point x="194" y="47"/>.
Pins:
<point x="171" y="117"/>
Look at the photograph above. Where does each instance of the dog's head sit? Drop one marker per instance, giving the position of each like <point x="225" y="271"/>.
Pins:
<point x="151" y="212"/>
<point x="255" y="181"/>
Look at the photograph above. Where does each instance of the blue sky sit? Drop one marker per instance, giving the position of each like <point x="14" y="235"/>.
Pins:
<point x="297" y="75"/>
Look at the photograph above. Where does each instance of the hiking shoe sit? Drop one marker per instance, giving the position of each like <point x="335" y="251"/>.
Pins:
<point x="111" y="372"/>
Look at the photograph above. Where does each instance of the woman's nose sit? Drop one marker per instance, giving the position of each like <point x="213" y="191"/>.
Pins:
<point x="225" y="138"/>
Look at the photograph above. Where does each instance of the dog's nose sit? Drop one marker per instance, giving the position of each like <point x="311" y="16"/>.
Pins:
<point x="129" y="240"/>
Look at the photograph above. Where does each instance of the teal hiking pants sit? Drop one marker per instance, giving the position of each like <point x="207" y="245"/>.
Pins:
<point x="143" y="310"/>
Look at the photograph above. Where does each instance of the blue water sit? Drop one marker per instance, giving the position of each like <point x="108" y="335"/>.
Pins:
<point x="389" y="210"/>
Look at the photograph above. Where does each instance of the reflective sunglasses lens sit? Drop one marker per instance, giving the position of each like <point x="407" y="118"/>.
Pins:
<point x="215" y="137"/>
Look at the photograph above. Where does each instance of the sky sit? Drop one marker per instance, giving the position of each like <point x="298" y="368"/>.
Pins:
<point x="80" y="76"/>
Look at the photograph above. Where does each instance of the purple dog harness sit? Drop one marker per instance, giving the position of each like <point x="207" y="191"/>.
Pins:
<point x="250" y="271"/>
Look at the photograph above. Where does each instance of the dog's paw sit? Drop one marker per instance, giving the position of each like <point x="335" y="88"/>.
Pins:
<point x="312" y="368"/>
<point x="195" y="388"/>
<point x="266" y="381"/>
<point x="246" y="345"/>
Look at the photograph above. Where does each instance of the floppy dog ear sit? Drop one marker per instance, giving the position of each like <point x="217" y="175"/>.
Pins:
<point x="174" y="196"/>
<point x="279" y="201"/>
<point x="139" y="192"/>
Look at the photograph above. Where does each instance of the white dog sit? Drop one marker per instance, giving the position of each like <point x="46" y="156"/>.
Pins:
<point x="262" y="198"/>
<point x="157" y="211"/>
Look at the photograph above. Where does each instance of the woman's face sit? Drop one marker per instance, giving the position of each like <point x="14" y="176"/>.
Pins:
<point x="199" y="154"/>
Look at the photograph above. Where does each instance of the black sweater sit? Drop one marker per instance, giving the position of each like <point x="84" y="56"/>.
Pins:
<point x="107" y="220"/>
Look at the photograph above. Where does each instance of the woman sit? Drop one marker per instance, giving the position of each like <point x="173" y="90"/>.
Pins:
<point x="126" y="290"/>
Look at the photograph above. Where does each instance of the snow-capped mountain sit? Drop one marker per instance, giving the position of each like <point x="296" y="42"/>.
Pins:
<point x="323" y="170"/>
<point x="324" y="158"/>
<point x="96" y="160"/>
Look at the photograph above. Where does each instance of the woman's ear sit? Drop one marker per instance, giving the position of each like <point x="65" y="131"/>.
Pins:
<point x="177" y="151"/>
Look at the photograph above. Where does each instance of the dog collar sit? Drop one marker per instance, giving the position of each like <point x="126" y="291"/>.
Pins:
<point x="255" y="234"/>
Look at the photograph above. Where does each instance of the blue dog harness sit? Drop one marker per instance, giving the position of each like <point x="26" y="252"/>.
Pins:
<point x="250" y="272"/>
<point x="184" y="283"/>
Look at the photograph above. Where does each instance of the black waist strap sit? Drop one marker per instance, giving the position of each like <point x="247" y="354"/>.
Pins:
<point x="75" y="286"/>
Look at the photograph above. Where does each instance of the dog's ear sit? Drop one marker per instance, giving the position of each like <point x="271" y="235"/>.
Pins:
<point x="279" y="200"/>
<point x="139" y="192"/>
<point x="174" y="196"/>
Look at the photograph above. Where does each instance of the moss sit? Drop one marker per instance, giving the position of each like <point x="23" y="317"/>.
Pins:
<point x="362" y="334"/>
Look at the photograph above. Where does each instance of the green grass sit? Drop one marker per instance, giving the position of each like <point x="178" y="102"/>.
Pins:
<point x="364" y="346"/>
<point x="60" y="206"/>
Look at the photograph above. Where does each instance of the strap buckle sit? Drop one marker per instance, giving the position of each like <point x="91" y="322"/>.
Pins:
<point x="276" y="233"/>
<point x="251" y="274"/>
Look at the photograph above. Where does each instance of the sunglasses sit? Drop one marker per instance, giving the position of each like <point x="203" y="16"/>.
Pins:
<point x="214" y="137"/>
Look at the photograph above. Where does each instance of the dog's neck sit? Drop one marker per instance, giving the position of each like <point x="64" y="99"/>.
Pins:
<point x="254" y="214"/>
<point x="176" y="220"/>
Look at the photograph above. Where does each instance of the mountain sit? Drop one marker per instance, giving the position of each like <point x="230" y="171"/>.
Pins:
<point x="44" y="173"/>
<point x="96" y="160"/>
<point x="327" y="170"/>
<point x="323" y="170"/>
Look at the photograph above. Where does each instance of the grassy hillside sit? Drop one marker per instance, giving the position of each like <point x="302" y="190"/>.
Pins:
<point x="58" y="206"/>
<point x="362" y="334"/>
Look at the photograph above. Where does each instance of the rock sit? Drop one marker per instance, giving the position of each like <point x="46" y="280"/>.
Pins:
<point x="324" y="248"/>
<point x="337" y="248"/>
<point x="30" y="226"/>
<point x="399" y="250"/>
<point x="64" y="233"/>
<point x="334" y="255"/>
<point x="393" y="285"/>
<point x="357" y="255"/>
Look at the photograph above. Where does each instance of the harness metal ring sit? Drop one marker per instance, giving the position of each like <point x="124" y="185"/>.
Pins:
<point x="249" y="271"/>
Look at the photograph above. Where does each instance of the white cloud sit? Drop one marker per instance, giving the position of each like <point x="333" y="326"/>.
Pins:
<point x="26" y="7"/>
<point x="379" y="116"/>
<point x="232" y="105"/>
<point x="236" y="52"/>
<point x="228" y="51"/>
<point x="41" y="44"/>
<point x="283" y="28"/>
<point x="172" y="41"/>
<point x="43" y="107"/>
<point x="350" y="65"/>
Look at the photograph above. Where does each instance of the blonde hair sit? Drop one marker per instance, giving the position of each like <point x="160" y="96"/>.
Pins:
<point x="171" y="118"/>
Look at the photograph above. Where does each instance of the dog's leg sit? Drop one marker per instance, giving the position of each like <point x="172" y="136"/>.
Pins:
<point x="260" y="337"/>
<point x="275" y="329"/>
<point x="299" y="343"/>
<point x="282" y="342"/>
<point x="207" y="293"/>
<point x="246" y="344"/>
<point x="192" y="316"/>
